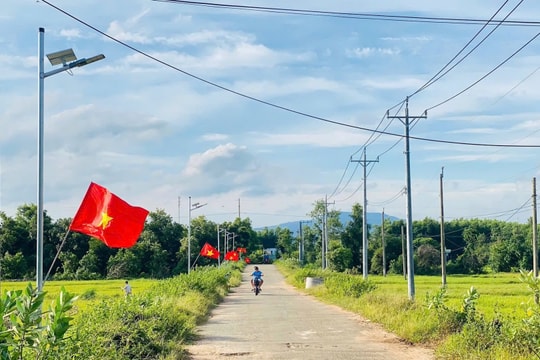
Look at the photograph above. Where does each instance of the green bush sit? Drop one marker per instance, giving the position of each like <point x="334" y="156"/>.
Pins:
<point x="153" y="325"/>
<point x="347" y="285"/>
<point x="28" y="332"/>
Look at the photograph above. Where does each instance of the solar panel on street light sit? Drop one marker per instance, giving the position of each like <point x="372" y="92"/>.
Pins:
<point x="62" y="57"/>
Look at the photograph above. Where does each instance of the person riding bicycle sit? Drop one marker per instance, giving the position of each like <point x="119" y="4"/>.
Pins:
<point x="256" y="275"/>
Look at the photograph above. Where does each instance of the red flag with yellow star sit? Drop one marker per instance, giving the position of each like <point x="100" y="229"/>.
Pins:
<point x="209" y="251"/>
<point x="108" y="218"/>
<point x="232" y="256"/>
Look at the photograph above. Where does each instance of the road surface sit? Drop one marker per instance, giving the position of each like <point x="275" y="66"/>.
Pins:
<point x="282" y="323"/>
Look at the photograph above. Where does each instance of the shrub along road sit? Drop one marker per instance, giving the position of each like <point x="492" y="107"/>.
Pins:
<point x="283" y="323"/>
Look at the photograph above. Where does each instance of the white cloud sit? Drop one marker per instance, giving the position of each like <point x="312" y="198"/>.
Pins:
<point x="227" y="158"/>
<point x="71" y="33"/>
<point x="151" y="133"/>
<point x="333" y="138"/>
<point x="214" y="137"/>
<point x="366" y="52"/>
<point x="118" y="31"/>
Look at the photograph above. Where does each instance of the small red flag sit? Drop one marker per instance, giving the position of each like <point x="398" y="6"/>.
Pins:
<point x="108" y="218"/>
<point x="209" y="251"/>
<point x="247" y="260"/>
<point x="232" y="256"/>
<point x="241" y="250"/>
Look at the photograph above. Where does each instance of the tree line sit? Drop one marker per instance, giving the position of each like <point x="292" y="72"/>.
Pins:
<point x="474" y="246"/>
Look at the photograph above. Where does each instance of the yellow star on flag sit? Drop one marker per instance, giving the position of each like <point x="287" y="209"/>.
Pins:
<point x="209" y="253"/>
<point x="105" y="220"/>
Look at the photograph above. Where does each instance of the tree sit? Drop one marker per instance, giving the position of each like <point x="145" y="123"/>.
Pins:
<point x="14" y="266"/>
<point x="286" y="243"/>
<point x="393" y="247"/>
<point x="267" y="238"/>
<point x="352" y="237"/>
<point x="334" y="227"/>
<point x="160" y="229"/>
<point x="427" y="260"/>
<point x="312" y="245"/>
<point x="339" y="257"/>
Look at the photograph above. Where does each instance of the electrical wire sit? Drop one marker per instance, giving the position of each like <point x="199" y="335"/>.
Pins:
<point x="438" y="75"/>
<point x="349" y="15"/>
<point x="518" y="209"/>
<point x="368" y="142"/>
<point x="208" y="82"/>
<point x="390" y="200"/>
<point x="486" y="75"/>
<point x="517" y="85"/>
<point x="341" y="180"/>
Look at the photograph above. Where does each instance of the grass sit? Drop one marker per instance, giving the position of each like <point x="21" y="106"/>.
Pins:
<point x="153" y="323"/>
<point x="502" y="293"/>
<point x="388" y="304"/>
<point x="89" y="291"/>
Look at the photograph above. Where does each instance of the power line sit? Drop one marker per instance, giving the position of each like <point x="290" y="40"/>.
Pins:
<point x="208" y="82"/>
<point x="517" y="85"/>
<point x="350" y="15"/>
<point x="335" y="192"/>
<point x="390" y="200"/>
<point x="518" y="209"/>
<point x="438" y="75"/>
<point x="486" y="75"/>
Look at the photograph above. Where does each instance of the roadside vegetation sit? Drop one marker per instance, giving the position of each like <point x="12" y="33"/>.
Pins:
<point x="495" y="318"/>
<point x="488" y="310"/>
<point x="151" y="324"/>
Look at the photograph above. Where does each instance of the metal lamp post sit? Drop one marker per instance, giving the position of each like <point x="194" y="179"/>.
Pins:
<point x="69" y="61"/>
<point x="191" y="207"/>
<point x="219" y="230"/>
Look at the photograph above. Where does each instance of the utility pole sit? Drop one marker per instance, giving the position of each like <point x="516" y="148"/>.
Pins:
<point x="324" y="240"/>
<point x="364" y="164"/>
<point x="403" y="252"/>
<point x="219" y="257"/>
<point x="301" y="245"/>
<point x="191" y="208"/>
<point x="406" y="120"/>
<point x="233" y="237"/>
<point x="443" y="245"/>
<point x="535" y="234"/>
<point x="239" y="210"/>
<point x="324" y="233"/>
<point x="383" y="245"/>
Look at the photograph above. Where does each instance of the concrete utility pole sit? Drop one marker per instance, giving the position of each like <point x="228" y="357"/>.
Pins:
<point x="301" y="244"/>
<point x="191" y="208"/>
<point x="324" y="240"/>
<point x="403" y="252"/>
<point x="443" y="245"/>
<point x="535" y="234"/>
<point x="383" y="245"/>
<point x="364" y="164"/>
<point x="325" y="233"/>
<point x="406" y="120"/>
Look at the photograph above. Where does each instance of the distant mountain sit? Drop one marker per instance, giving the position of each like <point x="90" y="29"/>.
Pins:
<point x="345" y="217"/>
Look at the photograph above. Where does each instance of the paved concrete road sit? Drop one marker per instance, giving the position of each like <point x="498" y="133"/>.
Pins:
<point x="282" y="323"/>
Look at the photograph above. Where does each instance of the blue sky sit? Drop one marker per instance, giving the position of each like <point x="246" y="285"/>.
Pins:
<point x="152" y="134"/>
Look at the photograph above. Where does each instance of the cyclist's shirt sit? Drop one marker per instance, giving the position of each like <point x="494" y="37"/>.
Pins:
<point x="257" y="275"/>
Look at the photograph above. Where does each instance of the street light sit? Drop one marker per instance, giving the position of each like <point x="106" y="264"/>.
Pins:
<point x="219" y="230"/>
<point x="191" y="207"/>
<point x="69" y="61"/>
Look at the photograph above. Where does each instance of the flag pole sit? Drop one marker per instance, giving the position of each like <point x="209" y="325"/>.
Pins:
<point x="56" y="256"/>
<point x="195" y="262"/>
